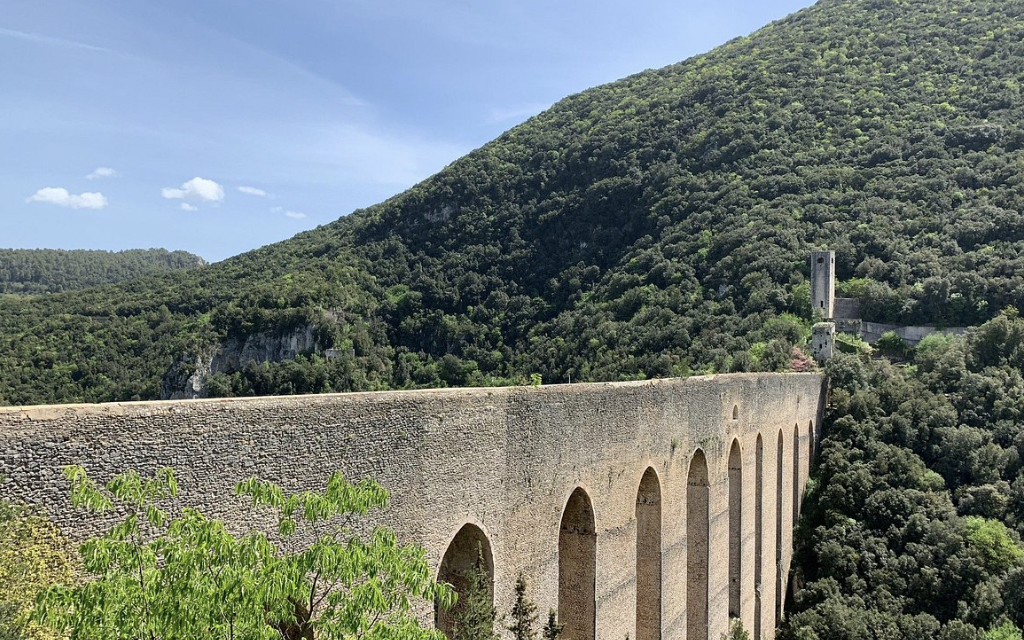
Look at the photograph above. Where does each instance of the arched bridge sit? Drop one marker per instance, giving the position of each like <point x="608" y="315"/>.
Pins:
<point x="656" y="509"/>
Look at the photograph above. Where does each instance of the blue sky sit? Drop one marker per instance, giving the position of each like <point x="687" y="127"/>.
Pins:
<point x="217" y="126"/>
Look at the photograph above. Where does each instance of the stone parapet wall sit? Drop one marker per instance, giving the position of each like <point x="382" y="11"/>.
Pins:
<point x="847" y="309"/>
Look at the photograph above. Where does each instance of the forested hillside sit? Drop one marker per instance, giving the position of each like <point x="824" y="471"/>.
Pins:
<point x="913" y="523"/>
<point x="56" y="270"/>
<point x="656" y="226"/>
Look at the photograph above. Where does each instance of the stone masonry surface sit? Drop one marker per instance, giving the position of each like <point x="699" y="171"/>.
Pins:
<point x="503" y="459"/>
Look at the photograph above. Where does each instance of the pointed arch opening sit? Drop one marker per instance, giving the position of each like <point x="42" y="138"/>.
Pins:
<point x="577" y="568"/>
<point x="735" y="527"/>
<point x="698" y="499"/>
<point x="469" y="552"/>
<point x="810" y="446"/>
<point x="797" y="495"/>
<point x="758" y="532"/>
<point x="779" y="500"/>
<point x="648" y="557"/>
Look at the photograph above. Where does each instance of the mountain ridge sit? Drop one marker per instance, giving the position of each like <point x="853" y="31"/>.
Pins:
<point x="31" y="271"/>
<point x="658" y="225"/>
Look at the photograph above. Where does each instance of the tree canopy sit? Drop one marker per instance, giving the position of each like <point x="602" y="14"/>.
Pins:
<point x="32" y="271"/>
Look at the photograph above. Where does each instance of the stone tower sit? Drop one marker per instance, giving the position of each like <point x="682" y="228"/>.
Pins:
<point x="823" y="284"/>
<point x="823" y="341"/>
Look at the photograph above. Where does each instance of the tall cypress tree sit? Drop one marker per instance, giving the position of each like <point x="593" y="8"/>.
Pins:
<point x="474" y="612"/>
<point x="524" y="613"/>
<point x="552" y="630"/>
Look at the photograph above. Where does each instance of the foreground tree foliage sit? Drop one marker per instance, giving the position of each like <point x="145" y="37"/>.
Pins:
<point x="33" y="556"/>
<point x="912" y="526"/>
<point x="156" y="577"/>
<point x="656" y="226"/>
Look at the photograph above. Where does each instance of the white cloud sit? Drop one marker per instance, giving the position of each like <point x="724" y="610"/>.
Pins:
<point x="102" y="172"/>
<point x="253" y="191"/>
<point x="196" y="189"/>
<point x="187" y="207"/>
<point x="61" y="197"/>
<point x="295" y="214"/>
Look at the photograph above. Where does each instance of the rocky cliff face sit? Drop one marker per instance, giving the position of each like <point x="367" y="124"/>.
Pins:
<point x="186" y="378"/>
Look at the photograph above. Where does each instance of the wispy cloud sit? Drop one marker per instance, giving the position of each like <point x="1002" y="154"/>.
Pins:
<point x="102" y="172"/>
<point x="253" y="191"/>
<point x="39" y="38"/>
<point x="295" y="215"/>
<point x="362" y="154"/>
<point x="197" y="189"/>
<point x="61" y="197"/>
<point x="500" y="115"/>
<point x="187" y="207"/>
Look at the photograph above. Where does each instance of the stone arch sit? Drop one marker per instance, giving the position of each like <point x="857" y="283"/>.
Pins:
<point x="648" y="557"/>
<point x="779" y="501"/>
<point x="469" y="550"/>
<point x="577" y="568"/>
<point x="698" y="508"/>
<point x="735" y="527"/>
<point x="758" y="532"/>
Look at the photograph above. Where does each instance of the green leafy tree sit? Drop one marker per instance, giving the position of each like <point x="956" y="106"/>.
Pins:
<point x="524" y="613"/>
<point x="992" y="539"/>
<point x="892" y="345"/>
<point x="1005" y="631"/>
<point x="153" y="577"/>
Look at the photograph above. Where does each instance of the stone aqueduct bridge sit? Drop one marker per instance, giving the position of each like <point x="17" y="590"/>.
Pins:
<point x="656" y="509"/>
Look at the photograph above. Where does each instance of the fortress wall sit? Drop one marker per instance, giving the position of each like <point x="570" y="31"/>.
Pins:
<point x="505" y="459"/>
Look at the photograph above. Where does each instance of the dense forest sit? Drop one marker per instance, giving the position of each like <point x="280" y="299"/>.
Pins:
<point x="56" y="270"/>
<point x="912" y="526"/>
<point x="656" y="226"/>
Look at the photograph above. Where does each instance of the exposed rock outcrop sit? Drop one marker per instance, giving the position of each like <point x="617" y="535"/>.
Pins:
<point x="186" y="378"/>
